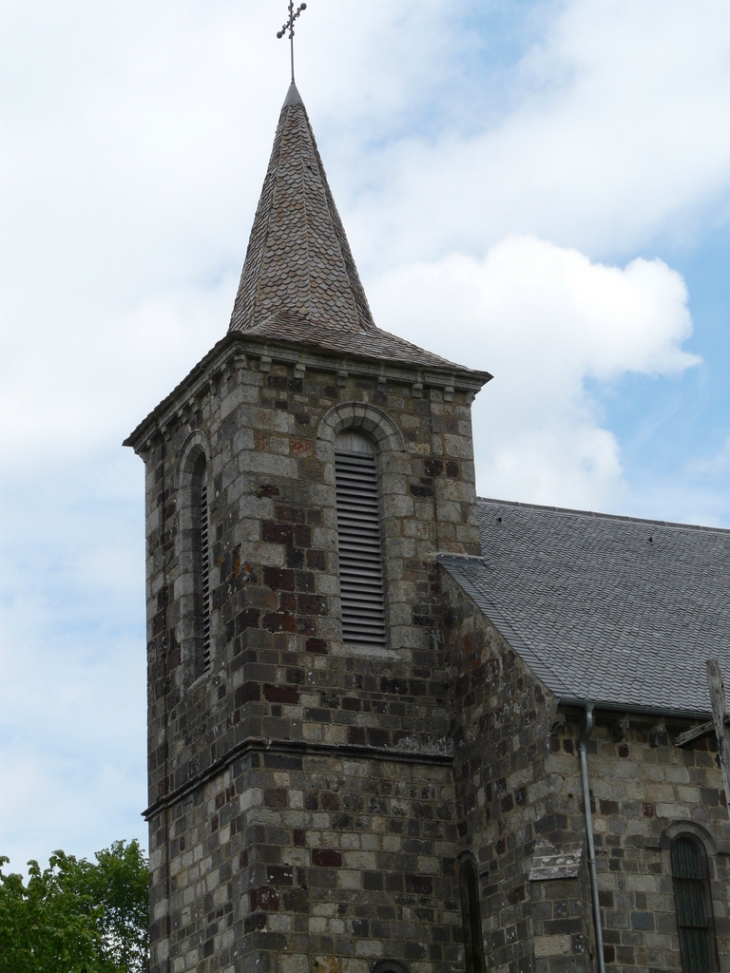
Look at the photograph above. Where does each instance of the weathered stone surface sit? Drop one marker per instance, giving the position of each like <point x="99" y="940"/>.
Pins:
<point x="518" y="789"/>
<point x="548" y="864"/>
<point x="287" y="829"/>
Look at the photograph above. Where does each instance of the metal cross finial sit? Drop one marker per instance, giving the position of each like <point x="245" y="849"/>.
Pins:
<point x="289" y="26"/>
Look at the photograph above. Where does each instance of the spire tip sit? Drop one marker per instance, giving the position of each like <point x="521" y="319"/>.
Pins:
<point x="292" y="97"/>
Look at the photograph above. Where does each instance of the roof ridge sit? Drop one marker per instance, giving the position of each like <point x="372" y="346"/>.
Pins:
<point x="602" y="516"/>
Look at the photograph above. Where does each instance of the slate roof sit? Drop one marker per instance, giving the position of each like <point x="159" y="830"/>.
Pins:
<point x="289" y="326"/>
<point x="299" y="281"/>
<point x="613" y="610"/>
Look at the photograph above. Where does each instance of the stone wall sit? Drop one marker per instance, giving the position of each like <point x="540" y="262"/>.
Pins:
<point x="511" y="801"/>
<point x="295" y="863"/>
<point x="519" y="799"/>
<point x="281" y="677"/>
<point x="644" y="791"/>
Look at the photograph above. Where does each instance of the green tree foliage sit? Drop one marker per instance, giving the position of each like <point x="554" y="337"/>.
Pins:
<point x="77" y="916"/>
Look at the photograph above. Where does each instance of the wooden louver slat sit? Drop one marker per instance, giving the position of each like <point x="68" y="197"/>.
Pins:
<point x="360" y="552"/>
<point x="204" y="572"/>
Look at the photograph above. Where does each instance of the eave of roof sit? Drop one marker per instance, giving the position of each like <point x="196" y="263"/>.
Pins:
<point x="618" y="611"/>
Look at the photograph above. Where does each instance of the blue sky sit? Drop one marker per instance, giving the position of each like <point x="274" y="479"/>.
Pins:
<point x="538" y="189"/>
<point x="678" y="429"/>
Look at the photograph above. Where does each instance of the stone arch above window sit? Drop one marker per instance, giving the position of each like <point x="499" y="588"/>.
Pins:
<point x="195" y="445"/>
<point x="688" y="827"/>
<point x="375" y="424"/>
<point x="389" y="966"/>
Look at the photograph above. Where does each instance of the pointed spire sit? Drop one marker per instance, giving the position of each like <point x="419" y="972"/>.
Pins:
<point x="292" y="97"/>
<point x="299" y="265"/>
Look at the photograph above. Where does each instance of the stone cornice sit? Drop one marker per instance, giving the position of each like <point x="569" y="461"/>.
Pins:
<point x="294" y="748"/>
<point x="242" y="350"/>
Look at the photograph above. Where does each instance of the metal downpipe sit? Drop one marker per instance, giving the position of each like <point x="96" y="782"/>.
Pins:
<point x="588" y="729"/>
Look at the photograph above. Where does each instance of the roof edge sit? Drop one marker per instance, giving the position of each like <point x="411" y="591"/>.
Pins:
<point x="539" y="667"/>
<point x="601" y="516"/>
<point x="611" y="707"/>
<point x="293" y="352"/>
<point x="530" y="657"/>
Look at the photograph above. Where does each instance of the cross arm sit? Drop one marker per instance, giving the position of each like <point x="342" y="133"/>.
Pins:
<point x="697" y="732"/>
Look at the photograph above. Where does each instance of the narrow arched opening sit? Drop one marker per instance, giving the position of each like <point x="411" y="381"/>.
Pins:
<point x="471" y="917"/>
<point x="359" y="540"/>
<point x="693" y="897"/>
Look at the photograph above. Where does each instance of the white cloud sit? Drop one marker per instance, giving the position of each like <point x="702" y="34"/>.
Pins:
<point x="544" y="320"/>
<point x="610" y="133"/>
<point x="100" y="369"/>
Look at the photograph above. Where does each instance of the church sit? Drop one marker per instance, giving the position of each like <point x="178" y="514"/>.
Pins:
<point x="394" y="727"/>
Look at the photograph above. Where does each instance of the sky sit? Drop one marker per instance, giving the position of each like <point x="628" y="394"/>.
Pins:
<point x="538" y="188"/>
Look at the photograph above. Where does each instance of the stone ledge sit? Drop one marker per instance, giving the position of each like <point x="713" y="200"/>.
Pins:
<point x="303" y="748"/>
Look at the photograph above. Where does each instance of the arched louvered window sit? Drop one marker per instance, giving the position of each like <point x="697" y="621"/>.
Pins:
<point x="359" y="541"/>
<point x="694" y="905"/>
<point x="201" y="566"/>
<point x="471" y="917"/>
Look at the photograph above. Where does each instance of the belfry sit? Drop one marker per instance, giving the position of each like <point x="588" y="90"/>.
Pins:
<point x="393" y="728"/>
<point x="300" y="483"/>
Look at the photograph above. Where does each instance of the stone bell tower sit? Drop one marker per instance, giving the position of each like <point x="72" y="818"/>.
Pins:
<point x="301" y="481"/>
